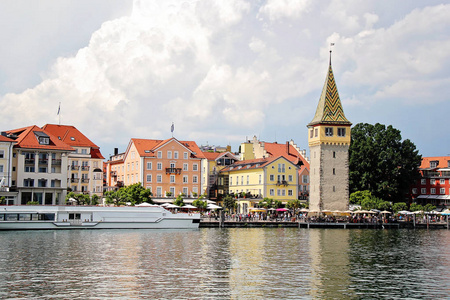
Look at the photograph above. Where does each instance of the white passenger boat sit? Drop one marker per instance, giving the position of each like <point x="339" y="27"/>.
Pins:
<point x="27" y="217"/>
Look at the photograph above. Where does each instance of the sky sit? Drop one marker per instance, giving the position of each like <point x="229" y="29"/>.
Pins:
<point x="224" y="71"/>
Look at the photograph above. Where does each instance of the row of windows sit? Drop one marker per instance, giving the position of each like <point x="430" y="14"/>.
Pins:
<point x="172" y="178"/>
<point x="329" y="131"/>
<point x="172" y="190"/>
<point x="41" y="183"/>
<point x="175" y="155"/>
<point x="423" y="191"/>
<point x="159" y="166"/>
<point x="432" y="181"/>
<point x="280" y="178"/>
<point x="281" y="192"/>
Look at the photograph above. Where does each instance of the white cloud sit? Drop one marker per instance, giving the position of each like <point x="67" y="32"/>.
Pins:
<point x="221" y="72"/>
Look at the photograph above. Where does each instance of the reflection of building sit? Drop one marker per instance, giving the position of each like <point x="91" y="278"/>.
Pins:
<point x="254" y="148"/>
<point x="329" y="141"/>
<point x="39" y="166"/>
<point x="85" y="165"/>
<point x="434" y="185"/>
<point x="273" y="177"/>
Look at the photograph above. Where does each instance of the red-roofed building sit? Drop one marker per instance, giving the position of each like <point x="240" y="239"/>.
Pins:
<point x="434" y="185"/>
<point x="85" y="164"/>
<point x="39" y="171"/>
<point x="166" y="167"/>
<point x="253" y="149"/>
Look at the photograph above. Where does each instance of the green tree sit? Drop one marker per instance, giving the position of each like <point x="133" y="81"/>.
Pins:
<point x="396" y="207"/>
<point x="415" y="207"/>
<point x="95" y="199"/>
<point x="358" y="196"/>
<point x="200" y="203"/>
<point x="379" y="161"/>
<point x="294" y="204"/>
<point x="429" y="207"/>
<point x="229" y="202"/>
<point x="2" y="200"/>
<point x="179" y="201"/>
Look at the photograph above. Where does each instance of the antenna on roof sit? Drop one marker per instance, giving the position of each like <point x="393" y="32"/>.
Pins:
<point x="172" y="128"/>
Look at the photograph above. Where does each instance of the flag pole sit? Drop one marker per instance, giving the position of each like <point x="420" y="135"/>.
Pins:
<point x="59" y="113"/>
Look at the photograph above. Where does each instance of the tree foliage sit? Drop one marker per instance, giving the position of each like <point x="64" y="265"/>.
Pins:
<point x="270" y="203"/>
<point x="133" y="194"/>
<point x="380" y="162"/>
<point x="396" y="207"/>
<point x="229" y="202"/>
<point x="200" y="203"/>
<point x="179" y="201"/>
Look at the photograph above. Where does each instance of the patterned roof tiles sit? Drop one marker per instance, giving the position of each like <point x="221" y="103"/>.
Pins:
<point x="329" y="110"/>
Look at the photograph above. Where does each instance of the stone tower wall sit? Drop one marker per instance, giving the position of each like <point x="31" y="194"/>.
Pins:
<point x="329" y="177"/>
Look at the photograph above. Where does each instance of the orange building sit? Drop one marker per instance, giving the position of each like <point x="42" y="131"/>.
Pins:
<point x="166" y="167"/>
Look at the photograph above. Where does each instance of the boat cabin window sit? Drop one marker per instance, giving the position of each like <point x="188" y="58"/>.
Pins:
<point x="49" y="217"/>
<point x="2" y="217"/>
<point x="74" y="216"/>
<point x="11" y="217"/>
<point x="24" y="217"/>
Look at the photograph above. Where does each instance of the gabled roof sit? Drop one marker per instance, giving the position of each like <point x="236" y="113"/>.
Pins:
<point x="27" y="138"/>
<point x="329" y="110"/>
<point x="286" y="150"/>
<point x="217" y="155"/>
<point x="149" y="148"/>
<point x="253" y="163"/>
<point x="73" y="137"/>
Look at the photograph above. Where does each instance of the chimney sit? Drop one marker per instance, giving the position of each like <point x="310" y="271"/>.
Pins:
<point x="116" y="151"/>
<point x="287" y="148"/>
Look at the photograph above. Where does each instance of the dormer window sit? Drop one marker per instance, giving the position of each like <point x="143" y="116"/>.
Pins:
<point x="72" y="138"/>
<point x="42" y="137"/>
<point x="433" y="164"/>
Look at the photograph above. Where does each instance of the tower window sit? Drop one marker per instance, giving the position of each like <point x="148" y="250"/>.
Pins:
<point x="315" y="132"/>
<point x="334" y="154"/>
<point x="311" y="134"/>
<point x="334" y="171"/>
<point x="328" y="131"/>
<point x="341" y="131"/>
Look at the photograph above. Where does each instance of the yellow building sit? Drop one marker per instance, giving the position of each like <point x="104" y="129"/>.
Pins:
<point x="274" y="177"/>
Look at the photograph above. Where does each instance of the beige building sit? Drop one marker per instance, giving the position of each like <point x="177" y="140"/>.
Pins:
<point x="6" y="156"/>
<point x="39" y="166"/>
<point x="85" y="164"/>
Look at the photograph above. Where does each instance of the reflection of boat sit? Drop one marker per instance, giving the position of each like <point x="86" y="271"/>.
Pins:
<point x="93" y="217"/>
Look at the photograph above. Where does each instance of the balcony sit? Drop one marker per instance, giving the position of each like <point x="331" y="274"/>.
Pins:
<point x="84" y="168"/>
<point x="282" y="182"/>
<point x="74" y="167"/>
<point x="29" y="161"/>
<point x="56" y="162"/>
<point x="114" y="173"/>
<point x="43" y="161"/>
<point x="173" y="171"/>
<point x="74" y="180"/>
<point x="85" y="180"/>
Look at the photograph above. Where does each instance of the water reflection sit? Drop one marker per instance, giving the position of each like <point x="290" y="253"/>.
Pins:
<point x="235" y="263"/>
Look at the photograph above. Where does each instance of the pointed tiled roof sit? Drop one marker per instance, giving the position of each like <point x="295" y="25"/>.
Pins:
<point x="329" y="110"/>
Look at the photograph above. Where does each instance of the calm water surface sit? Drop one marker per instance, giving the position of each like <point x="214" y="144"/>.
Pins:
<point x="238" y="263"/>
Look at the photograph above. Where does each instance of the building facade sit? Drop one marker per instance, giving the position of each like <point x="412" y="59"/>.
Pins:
<point x="255" y="149"/>
<point x="167" y="167"/>
<point x="85" y="164"/>
<point x="329" y="141"/>
<point x="39" y="166"/>
<point x="434" y="185"/>
<point x="274" y="177"/>
<point x="6" y="158"/>
<point x="213" y="163"/>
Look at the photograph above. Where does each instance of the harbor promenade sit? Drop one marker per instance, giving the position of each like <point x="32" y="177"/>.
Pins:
<point x="216" y="223"/>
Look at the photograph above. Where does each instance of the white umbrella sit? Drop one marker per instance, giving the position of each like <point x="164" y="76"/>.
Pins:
<point x="143" y="204"/>
<point x="189" y="206"/>
<point x="213" y="206"/>
<point x="172" y="206"/>
<point x="385" y="212"/>
<point x="165" y="204"/>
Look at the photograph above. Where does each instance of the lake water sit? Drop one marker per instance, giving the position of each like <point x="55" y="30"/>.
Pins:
<point x="235" y="263"/>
